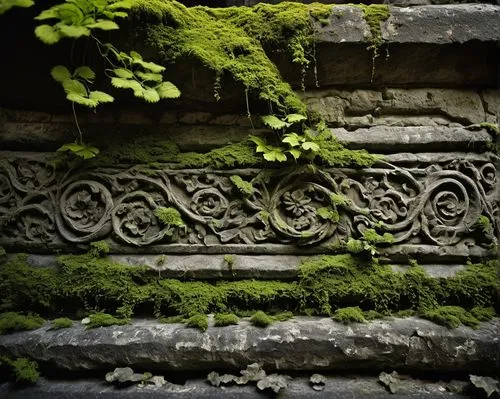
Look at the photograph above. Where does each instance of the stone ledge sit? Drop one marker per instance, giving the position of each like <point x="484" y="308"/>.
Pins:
<point x="387" y="139"/>
<point x="303" y="343"/>
<point x="210" y="267"/>
<point x="353" y="387"/>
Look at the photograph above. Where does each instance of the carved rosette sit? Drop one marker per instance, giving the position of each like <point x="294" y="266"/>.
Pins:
<point x="439" y="204"/>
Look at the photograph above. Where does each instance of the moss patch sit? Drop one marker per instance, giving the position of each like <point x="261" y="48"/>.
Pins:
<point x="105" y="320"/>
<point x="261" y="319"/>
<point x="225" y="319"/>
<point x="243" y="186"/>
<point x="451" y="316"/>
<point x="99" y="248"/>
<point x="61" y="322"/>
<point x="12" y="322"/>
<point x="349" y="315"/>
<point x="169" y="216"/>
<point x="199" y="321"/>
<point x="23" y="371"/>
<point x="83" y="283"/>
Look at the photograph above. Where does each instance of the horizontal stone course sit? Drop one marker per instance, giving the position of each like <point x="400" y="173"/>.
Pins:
<point x="303" y="343"/>
<point x="336" y="387"/>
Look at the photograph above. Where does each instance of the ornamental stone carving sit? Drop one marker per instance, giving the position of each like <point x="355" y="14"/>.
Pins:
<point x="433" y="203"/>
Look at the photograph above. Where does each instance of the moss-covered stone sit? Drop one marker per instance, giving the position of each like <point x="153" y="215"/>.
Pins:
<point x="261" y="319"/>
<point x="104" y="320"/>
<point x="451" y="316"/>
<point x="61" y="322"/>
<point x="82" y="283"/>
<point x="169" y="217"/>
<point x="243" y="186"/>
<point x="348" y="315"/>
<point x="99" y="248"/>
<point x="225" y="319"/>
<point x="199" y="321"/>
<point x="23" y="371"/>
<point x="13" y="321"/>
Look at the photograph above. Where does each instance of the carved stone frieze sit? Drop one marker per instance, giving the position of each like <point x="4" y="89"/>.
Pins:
<point x="441" y="204"/>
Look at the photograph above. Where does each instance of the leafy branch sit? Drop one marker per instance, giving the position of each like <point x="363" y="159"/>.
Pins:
<point x="297" y="145"/>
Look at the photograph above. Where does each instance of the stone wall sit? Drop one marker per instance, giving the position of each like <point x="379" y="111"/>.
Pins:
<point x="427" y="107"/>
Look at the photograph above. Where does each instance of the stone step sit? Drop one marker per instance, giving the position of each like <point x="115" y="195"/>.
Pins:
<point x="336" y="387"/>
<point x="303" y="343"/>
<point x="213" y="267"/>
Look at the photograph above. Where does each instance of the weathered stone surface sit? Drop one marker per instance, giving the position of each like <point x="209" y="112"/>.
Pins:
<point x="420" y="204"/>
<point x="336" y="387"/>
<point x="303" y="343"/>
<point x="395" y="106"/>
<point x="385" y="139"/>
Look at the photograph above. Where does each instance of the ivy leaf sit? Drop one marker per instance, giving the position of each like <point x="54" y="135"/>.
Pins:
<point x="82" y="100"/>
<point x="295" y="153"/>
<point x="69" y="13"/>
<point x="120" y="83"/>
<point x="149" y="76"/>
<point x="151" y="66"/>
<point x="81" y="150"/>
<point x="294" y="118"/>
<point x="275" y="155"/>
<point x="7" y="5"/>
<point x="309" y="145"/>
<point x="60" y="73"/>
<point x="101" y="97"/>
<point x="47" y="14"/>
<point x="293" y="139"/>
<point x="104" y="24"/>
<point x="261" y="145"/>
<point x="119" y="14"/>
<point x="74" y="86"/>
<point x="135" y="55"/>
<point x="47" y="34"/>
<point x="168" y="90"/>
<point x="74" y="31"/>
<point x="274" y="123"/>
<point x="123" y="73"/>
<point x="150" y="95"/>
<point x="85" y="73"/>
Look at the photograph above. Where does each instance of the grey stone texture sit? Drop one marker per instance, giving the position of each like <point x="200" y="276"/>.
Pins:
<point x="303" y="343"/>
<point x="336" y="387"/>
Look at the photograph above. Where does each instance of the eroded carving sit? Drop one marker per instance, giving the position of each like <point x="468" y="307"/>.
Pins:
<point x="438" y="204"/>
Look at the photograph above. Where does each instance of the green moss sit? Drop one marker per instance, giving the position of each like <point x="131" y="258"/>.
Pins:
<point x="283" y="316"/>
<point x="492" y="128"/>
<point x="99" y="248"/>
<point x="484" y="224"/>
<point x="2" y="252"/>
<point x="451" y="316"/>
<point x="82" y="283"/>
<point x="233" y="155"/>
<point x="349" y="315"/>
<point x="12" y="321"/>
<point x="232" y="40"/>
<point x="23" y="370"/>
<point x="229" y="260"/>
<point x="105" y="320"/>
<point x="372" y="237"/>
<point x="261" y="319"/>
<point x="172" y="319"/>
<point x="199" y="321"/>
<point x="169" y="216"/>
<point x="243" y="186"/>
<point x="225" y="319"/>
<point x="61" y="322"/>
<point x="26" y="371"/>
<point x="328" y="214"/>
<point x="374" y="15"/>
<point x="483" y="314"/>
<point x="372" y="315"/>
<point x="338" y="199"/>
<point x="355" y="246"/>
